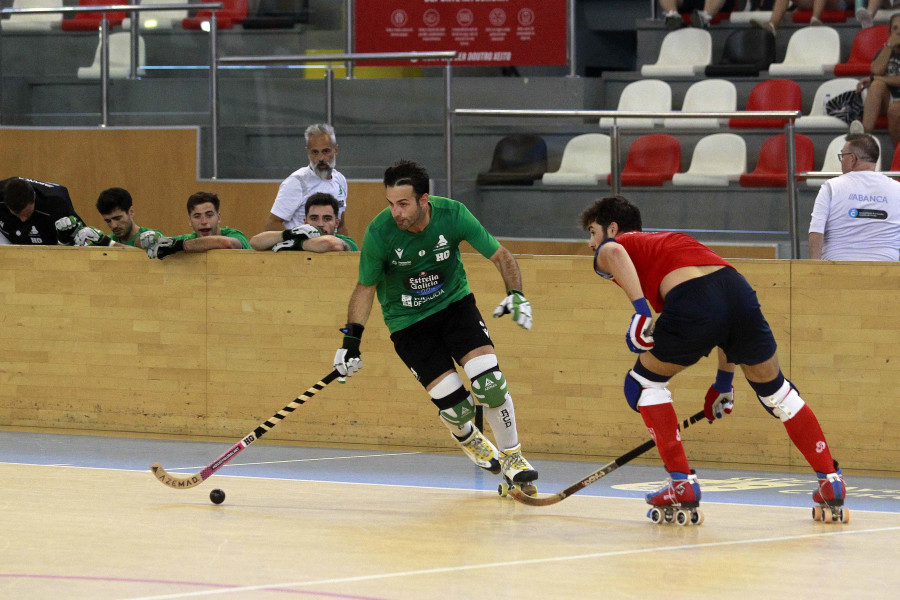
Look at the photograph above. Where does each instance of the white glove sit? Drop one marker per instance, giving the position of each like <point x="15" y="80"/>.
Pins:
<point x="89" y="235"/>
<point x="148" y="238"/>
<point x="640" y="331"/>
<point x="301" y="233"/>
<point x="518" y="306"/>
<point x="65" y="230"/>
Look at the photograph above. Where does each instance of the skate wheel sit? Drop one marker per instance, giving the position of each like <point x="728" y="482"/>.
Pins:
<point x="503" y="489"/>
<point x="655" y="515"/>
<point x="682" y="518"/>
<point x="817" y="513"/>
<point x="670" y="515"/>
<point x="844" y="515"/>
<point x="697" y="518"/>
<point x="827" y="515"/>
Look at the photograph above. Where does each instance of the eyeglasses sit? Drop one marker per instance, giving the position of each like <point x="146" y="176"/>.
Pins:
<point x="841" y="155"/>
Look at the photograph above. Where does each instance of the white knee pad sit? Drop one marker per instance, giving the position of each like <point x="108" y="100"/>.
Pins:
<point x="478" y="365"/>
<point x="640" y="391"/>
<point x="785" y="403"/>
<point x="447" y="386"/>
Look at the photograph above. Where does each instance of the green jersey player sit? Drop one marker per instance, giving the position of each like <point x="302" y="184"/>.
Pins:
<point x="410" y="259"/>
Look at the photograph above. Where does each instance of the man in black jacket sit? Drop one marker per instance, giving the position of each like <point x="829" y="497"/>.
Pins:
<point x="29" y="210"/>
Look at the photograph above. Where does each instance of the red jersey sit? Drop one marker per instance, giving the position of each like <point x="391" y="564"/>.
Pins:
<point x="657" y="254"/>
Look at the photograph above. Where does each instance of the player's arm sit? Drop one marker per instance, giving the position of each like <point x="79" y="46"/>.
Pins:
<point x="612" y="258"/>
<point x="212" y="242"/>
<point x="508" y="266"/>
<point x="325" y="243"/>
<point x="816" y="243"/>
<point x="347" y="359"/>
<point x="273" y="223"/>
<point x="515" y="303"/>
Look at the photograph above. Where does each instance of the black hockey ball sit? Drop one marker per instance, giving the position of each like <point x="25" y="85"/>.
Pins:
<point x="217" y="496"/>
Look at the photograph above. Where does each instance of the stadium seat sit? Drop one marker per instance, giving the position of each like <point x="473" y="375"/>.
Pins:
<point x="119" y="58"/>
<point x="166" y="19"/>
<point x="771" y="166"/>
<point x="811" y="51"/>
<point x="278" y="14"/>
<point x="828" y="16"/>
<point x="39" y="22"/>
<point x="746" y="52"/>
<point x="648" y="95"/>
<point x="817" y="117"/>
<point x="717" y="160"/>
<point x="833" y="163"/>
<point x="585" y="161"/>
<point x="519" y="159"/>
<point x="744" y="16"/>
<point x="652" y="160"/>
<point x="234" y="13"/>
<point x="87" y="21"/>
<point x="884" y="15"/>
<point x="866" y="43"/>
<point x="773" y="94"/>
<point x="683" y="53"/>
<point x="710" y="95"/>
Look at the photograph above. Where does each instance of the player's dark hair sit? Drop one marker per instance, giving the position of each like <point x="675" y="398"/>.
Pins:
<point x="112" y="199"/>
<point x="612" y="209"/>
<point x="863" y="146"/>
<point x="17" y="194"/>
<point x="407" y="172"/>
<point x="201" y="198"/>
<point x="322" y="199"/>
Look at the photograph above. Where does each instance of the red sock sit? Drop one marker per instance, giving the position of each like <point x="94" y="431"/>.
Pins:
<point x="806" y="433"/>
<point x="662" y="422"/>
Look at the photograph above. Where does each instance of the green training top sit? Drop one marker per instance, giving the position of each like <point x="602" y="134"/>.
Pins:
<point x="419" y="274"/>
<point x="226" y="231"/>
<point x="350" y="242"/>
<point x="132" y="241"/>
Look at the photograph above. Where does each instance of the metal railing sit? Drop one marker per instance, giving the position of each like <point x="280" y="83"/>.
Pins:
<point x="134" y="11"/>
<point x="615" y="158"/>
<point x="350" y="58"/>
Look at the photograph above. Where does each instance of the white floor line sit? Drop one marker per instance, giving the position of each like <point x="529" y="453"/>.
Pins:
<point x="508" y="564"/>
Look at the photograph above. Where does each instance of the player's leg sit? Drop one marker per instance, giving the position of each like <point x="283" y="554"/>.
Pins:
<point x="490" y="389"/>
<point x="782" y="399"/>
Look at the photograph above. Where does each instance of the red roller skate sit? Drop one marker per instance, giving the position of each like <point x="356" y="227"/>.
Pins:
<point x="677" y="501"/>
<point x="830" y="498"/>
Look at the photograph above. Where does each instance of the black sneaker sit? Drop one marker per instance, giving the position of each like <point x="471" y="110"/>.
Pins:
<point x="674" y="22"/>
<point x="698" y="21"/>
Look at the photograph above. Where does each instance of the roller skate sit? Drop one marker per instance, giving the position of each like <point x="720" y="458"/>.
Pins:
<point x="677" y="501"/>
<point x="830" y="498"/>
<point x="517" y="472"/>
<point x="480" y="450"/>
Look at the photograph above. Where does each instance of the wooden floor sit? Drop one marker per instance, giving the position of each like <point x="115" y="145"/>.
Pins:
<point x="99" y="534"/>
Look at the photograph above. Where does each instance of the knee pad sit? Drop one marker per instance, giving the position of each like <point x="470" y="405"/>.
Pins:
<point x="640" y="391"/>
<point x="785" y="403"/>
<point x="488" y="383"/>
<point x="453" y="401"/>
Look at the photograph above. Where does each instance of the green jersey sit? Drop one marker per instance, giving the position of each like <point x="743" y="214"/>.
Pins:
<point x="226" y="231"/>
<point x="132" y="241"/>
<point x="419" y="274"/>
<point x="350" y="242"/>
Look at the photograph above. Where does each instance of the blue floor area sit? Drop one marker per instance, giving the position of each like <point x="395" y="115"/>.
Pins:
<point x="439" y="470"/>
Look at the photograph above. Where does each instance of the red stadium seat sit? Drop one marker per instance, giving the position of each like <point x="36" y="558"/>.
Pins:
<point x="88" y="21"/>
<point x="771" y="167"/>
<point x="866" y="43"/>
<point x="773" y="94"/>
<point x="895" y="162"/>
<point x="233" y="13"/>
<point x="652" y="160"/>
<point x="828" y="16"/>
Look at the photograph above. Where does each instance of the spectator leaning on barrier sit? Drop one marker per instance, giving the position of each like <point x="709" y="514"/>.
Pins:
<point x="318" y="234"/>
<point x="29" y="210"/>
<point x="857" y="215"/>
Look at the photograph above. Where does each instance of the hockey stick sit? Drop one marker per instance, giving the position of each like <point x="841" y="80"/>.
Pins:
<point x="598" y="474"/>
<point x="189" y="481"/>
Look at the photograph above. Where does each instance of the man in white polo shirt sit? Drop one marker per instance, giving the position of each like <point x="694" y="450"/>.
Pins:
<point x="857" y="215"/>
<point x="319" y="176"/>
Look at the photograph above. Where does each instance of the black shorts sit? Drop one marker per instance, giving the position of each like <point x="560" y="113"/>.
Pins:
<point x="430" y="347"/>
<point x="719" y="309"/>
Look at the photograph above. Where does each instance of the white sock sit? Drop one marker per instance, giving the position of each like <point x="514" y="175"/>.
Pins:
<point x="503" y="423"/>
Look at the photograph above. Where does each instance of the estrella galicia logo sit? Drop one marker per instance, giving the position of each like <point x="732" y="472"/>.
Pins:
<point x="867" y="213"/>
<point x="424" y="283"/>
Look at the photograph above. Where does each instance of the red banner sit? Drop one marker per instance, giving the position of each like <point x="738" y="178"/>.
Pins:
<point x="484" y="32"/>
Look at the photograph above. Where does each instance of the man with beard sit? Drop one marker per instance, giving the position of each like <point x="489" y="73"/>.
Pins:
<point x="319" y="234"/>
<point x="117" y="210"/>
<point x="289" y="211"/>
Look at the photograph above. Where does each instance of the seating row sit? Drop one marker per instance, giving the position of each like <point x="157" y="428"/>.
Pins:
<point x="654" y="159"/>
<point x="720" y="95"/>
<point x="811" y="51"/>
<point x="270" y="14"/>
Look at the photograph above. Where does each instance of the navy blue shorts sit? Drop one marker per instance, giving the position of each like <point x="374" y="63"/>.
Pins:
<point x="719" y="309"/>
<point x="430" y="346"/>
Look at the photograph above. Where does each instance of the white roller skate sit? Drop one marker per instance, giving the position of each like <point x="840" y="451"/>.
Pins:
<point x="677" y="501"/>
<point x="517" y="472"/>
<point x="480" y="449"/>
<point x="830" y="498"/>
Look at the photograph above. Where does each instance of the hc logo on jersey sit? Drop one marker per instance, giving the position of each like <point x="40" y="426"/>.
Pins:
<point x="854" y="213"/>
<point x="442" y="241"/>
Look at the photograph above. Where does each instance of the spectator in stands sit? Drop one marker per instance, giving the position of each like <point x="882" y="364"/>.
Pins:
<point x="857" y="215"/>
<point x="780" y="7"/>
<point x="203" y="215"/>
<point x="866" y="15"/>
<point x="29" y="210"/>
<point x="117" y="209"/>
<point x="319" y="176"/>
<point x="702" y="12"/>
<point x="318" y="234"/>
<point x="884" y="85"/>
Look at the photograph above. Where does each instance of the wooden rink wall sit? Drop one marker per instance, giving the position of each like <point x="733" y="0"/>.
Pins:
<point x="105" y="340"/>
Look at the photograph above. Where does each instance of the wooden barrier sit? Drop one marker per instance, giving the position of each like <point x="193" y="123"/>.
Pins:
<point x="105" y="340"/>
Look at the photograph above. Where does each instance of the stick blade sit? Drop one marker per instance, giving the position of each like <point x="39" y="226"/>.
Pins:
<point x="520" y="496"/>
<point x="174" y="481"/>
